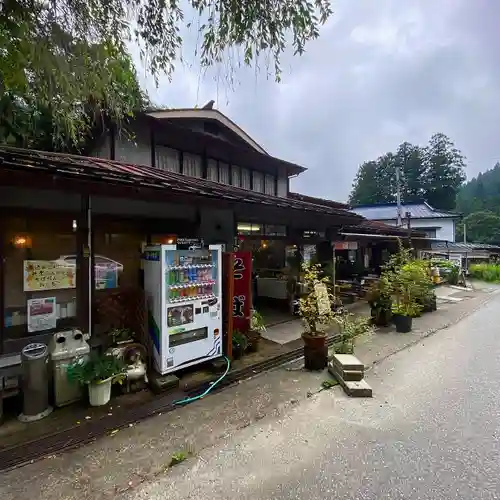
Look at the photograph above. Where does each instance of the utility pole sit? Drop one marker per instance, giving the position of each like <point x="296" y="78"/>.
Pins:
<point x="398" y="197"/>
<point x="465" y="233"/>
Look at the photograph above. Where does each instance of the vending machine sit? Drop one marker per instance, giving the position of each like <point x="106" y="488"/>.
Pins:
<point x="183" y="286"/>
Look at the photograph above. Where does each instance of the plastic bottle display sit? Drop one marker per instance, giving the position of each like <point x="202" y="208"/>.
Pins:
<point x="190" y="282"/>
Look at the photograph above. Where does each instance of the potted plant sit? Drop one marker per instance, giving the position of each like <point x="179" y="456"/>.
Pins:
<point x="403" y="314"/>
<point x="429" y="303"/>
<point x="380" y="301"/>
<point x="316" y="311"/>
<point x="257" y="328"/>
<point x="98" y="372"/>
<point x="240" y="343"/>
<point x="350" y="326"/>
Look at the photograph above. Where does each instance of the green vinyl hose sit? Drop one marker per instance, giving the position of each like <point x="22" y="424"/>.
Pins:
<point x="212" y="385"/>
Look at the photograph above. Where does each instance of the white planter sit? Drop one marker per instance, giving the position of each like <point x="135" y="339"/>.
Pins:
<point x="100" y="394"/>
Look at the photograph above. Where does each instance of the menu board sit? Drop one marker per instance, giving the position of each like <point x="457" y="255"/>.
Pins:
<point x="48" y="275"/>
<point x="322" y="298"/>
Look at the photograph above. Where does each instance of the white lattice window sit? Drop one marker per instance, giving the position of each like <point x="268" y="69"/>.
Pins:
<point x="223" y="173"/>
<point x="270" y="185"/>
<point x="167" y="159"/>
<point x="245" y="178"/>
<point x="191" y="165"/>
<point x="258" y="182"/>
<point x="235" y="176"/>
<point x="212" y="170"/>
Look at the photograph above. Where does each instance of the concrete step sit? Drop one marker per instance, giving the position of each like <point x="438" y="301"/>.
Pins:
<point x="348" y="362"/>
<point x="360" y="389"/>
<point x="348" y="375"/>
<point x="163" y="383"/>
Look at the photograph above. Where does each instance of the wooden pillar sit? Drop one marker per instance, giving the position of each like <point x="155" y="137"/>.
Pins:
<point x="2" y="282"/>
<point x="227" y="306"/>
<point x="85" y="278"/>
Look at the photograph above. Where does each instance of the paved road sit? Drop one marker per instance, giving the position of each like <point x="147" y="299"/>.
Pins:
<point x="432" y="431"/>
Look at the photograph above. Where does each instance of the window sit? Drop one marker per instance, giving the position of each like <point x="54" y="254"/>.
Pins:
<point x="236" y="176"/>
<point x="245" y="178"/>
<point x="270" y="185"/>
<point x="117" y="258"/>
<point x="167" y="159"/>
<point x="39" y="280"/>
<point x="212" y="170"/>
<point x="191" y="165"/>
<point x="258" y="182"/>
<point x="223" y="173"/>
<point x="250" y="228"/>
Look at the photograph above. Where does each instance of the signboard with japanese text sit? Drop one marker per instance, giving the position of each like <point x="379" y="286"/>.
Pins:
<point x="48" y="275"/>
<point x="42" y="314"/>
<point x="242" y="297"/>
<point x="345" y="245"/>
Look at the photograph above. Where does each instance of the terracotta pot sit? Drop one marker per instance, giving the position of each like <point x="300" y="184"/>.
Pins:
<point x="315" y="351"/>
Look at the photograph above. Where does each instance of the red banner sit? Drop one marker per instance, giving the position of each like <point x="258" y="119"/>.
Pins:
<point x="242" y="298"/>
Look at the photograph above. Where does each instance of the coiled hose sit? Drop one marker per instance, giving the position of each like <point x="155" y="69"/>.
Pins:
<point x="212" y="385"/>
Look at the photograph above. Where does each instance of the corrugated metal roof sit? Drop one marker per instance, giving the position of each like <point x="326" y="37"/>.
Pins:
<point x="318" y="201"/>
<point x="377" y="227"/>
<point x="464" y="247"/>
<point x="119" y="173"/>
<point x="389" y="211"/>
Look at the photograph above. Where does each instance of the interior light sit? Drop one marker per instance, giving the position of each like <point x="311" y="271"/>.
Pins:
<point x="21" y="241"/>
<point x="75" y="225"/>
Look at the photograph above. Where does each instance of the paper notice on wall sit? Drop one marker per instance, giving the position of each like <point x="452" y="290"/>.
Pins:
<point x="42" y="314"/>
<point x="48" y="275"/>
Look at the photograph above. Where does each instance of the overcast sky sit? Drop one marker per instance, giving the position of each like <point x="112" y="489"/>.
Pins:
<point x="382" y="72"/>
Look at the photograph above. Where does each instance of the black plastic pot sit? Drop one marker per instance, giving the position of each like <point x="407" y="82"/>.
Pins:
<point x="403" y="323"/>
<point x="238" y="351"/>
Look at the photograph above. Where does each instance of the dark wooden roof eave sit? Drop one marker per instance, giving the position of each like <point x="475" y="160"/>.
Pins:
<point x="98" y="172"/>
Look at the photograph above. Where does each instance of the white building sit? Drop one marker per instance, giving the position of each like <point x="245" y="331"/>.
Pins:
<point x="434" y="223"/>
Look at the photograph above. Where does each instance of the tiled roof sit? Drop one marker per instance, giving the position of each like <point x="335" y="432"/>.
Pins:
<point x="100" y="170"/>
<point x="389" y="211"/>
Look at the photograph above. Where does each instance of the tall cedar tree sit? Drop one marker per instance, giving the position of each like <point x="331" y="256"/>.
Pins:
<point x="433" y="173"/>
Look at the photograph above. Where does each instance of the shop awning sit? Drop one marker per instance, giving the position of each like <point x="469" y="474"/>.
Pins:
<point x="114" y="173"/>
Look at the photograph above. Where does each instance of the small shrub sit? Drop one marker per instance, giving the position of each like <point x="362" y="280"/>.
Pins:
<point x="485" y="272"/>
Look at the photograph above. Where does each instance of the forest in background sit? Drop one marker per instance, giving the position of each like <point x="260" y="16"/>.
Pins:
<point x="434" y="173"/>
<point x="479" y="202"/>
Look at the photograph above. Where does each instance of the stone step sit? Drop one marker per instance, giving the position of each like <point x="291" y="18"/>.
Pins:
<point x="348" y="375"/>
<point x="348" y="362"/>
<point x="163" y="383"/>
<point x="360" y="389"/>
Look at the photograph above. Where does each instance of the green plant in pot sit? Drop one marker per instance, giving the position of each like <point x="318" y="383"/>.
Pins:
<point x="316" y="312"/>
<point x="380" y="301"/>
<point x="350" y="326"/>
<point x="257" y="328"/>
<point x="406" y="291"/>
<point x="240" y="343"/>
<point x="98" y="372"/>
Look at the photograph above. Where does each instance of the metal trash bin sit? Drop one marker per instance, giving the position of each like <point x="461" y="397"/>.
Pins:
<point x="35" y="382"/>
<point x="66" y="348"/>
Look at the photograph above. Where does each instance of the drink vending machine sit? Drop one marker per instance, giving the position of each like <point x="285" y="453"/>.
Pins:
<point x="183" y="286"/>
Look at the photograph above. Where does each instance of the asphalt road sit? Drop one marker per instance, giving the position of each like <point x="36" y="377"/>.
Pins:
<point x="432" y="431"/>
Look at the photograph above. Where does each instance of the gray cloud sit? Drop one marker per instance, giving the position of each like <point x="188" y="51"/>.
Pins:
<point x="381" y="73"/>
